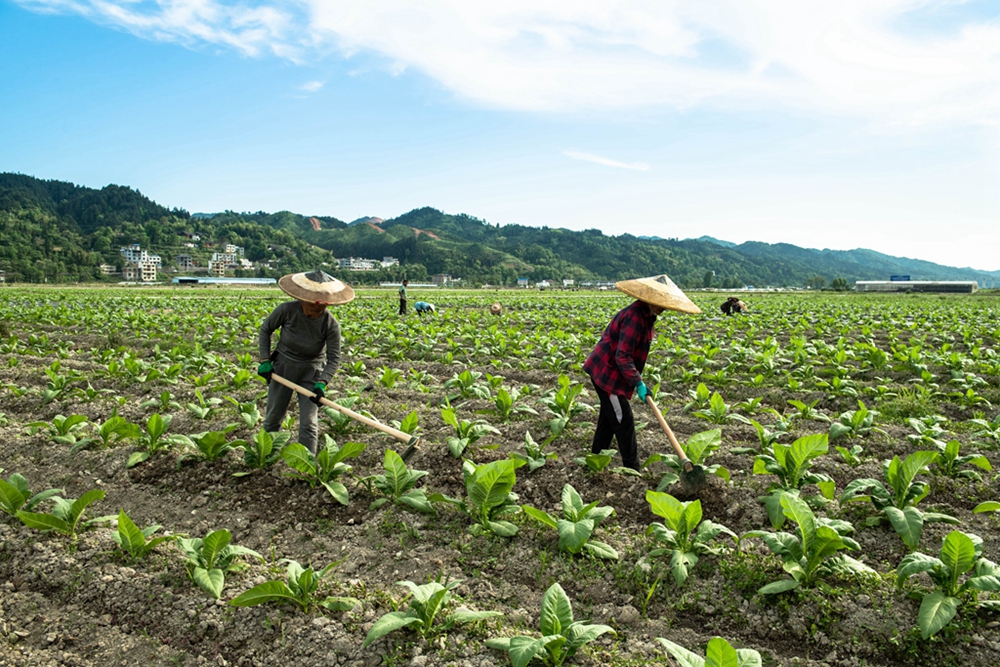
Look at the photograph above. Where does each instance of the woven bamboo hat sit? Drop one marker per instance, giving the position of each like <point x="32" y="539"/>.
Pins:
<point x="316" y="287"/>
<point x="659" y="291"/>
<point x="496" y="308"/>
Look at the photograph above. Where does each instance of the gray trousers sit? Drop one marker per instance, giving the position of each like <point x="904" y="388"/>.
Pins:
<point x="279" y="396"/>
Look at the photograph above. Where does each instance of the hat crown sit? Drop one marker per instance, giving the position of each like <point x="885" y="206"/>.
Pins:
<point x="319" y="276"/>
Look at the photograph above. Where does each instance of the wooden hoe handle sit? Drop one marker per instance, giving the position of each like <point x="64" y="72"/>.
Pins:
<point x="410" y="440"/>
<point x="670" y="434"/>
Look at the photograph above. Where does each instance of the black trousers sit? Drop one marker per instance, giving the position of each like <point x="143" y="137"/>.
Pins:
<point x="615" y="420"/>
<point x="402" y="306"/>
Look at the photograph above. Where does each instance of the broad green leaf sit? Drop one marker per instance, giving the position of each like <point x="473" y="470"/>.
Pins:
<point x="666" y="506"/>
<point x="40" y="521"/>
<point x="779" y="586"/>
<point x="81" y="504"/>
<point x="958" y="553"/>
<point x="683" y="656"/>
<point x="720" y="653"/>
<point x="213" y="546"/>
<point x="557" y="612"/>
<point x="908" y="523"/>
<point x="392" y="621"/>
<point x="936" y="611"/>
<point x="132" y="539"/>
<point x="211" y="581"/>
<point x="915" y="563"/>
<point x="269" y="591"/>
<point x="471" y="616"/>
<point x="503" y="528"/>
<point x="574" y="534"/>
<point x="796" y="509"/>
<point x="523" y="649"/>
<point x="338" y="491"/>
<point x="541" y="516"/>
<point x="987" y="506"/>
<point x="11" y="499"/>
<point x="300" y="458"/>
<point x="601" y="550"/>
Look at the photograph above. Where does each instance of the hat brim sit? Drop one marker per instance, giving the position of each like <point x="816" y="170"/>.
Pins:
<point x="659" y="291"/>
<point x="331" y="293"/>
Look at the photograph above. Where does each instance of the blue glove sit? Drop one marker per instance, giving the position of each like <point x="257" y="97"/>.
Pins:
<point x="643" y="391"/>
<point x="320" y="390"/>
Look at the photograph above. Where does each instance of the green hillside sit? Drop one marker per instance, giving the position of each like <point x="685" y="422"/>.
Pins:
<point x="60" y="232"/>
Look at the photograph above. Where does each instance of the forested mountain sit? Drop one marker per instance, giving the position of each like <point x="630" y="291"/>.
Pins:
<point x="55" y="231"/>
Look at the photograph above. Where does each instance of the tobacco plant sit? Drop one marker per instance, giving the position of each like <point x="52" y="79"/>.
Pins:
<point x="489" y="496"/>
<point x="989" y="429"/>
<point x="949" y="460"/>
<point x="114" y="430"/>
<point x="506" y="406"/>
<point x="154" y="440"/>
<point x="62" y="430"/>
<point x="855" y="423"/>
<point x="810" y="553"/>
<point x="561" y="636"/>
<point x="562" y="402"/>
<point x="209" y="560"/>
<point x="718" y="653"/>
<point x="960" y="554"/>
<point x="136" y="544"/>
<point x="248" y="412"/>
<point x="467" y="432"/>
<point x="300" y="589"/>
<point x="425" y="603"/>
<point x="718" y="412"/>
<point x="791" y="464"/>
<point x="898" y="502"/>
<point x="534" y="455"/>
<point x="577" y="525"/>
<point x="15" y="495"/>
<point x="211" y="445"/>
<point x="398" y="485"/>
<point x="263" y="451"/>
<point x="204" y="408"/>
<point x="66" y="516"/>
<point x="682" y="533"/>
<point x="325" y="468"/>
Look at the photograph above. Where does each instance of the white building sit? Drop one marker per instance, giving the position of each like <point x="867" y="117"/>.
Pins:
<point x="568" y="282"/>
<point x="960" y="286"/>
<point x="136" y="255"/>
<point x="143" y="272"/>
<point x="109" y="269"/>
<point x="359" y="264"/>
<point x="389" y="261"/>
<point x="227" y="259"/>
<point x="234" y="250"/>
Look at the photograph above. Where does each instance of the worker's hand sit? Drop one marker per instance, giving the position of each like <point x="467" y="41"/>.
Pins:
<point x="320" y="390"/>
<point x="265" y="369"/>
<point x="643" y="391"/>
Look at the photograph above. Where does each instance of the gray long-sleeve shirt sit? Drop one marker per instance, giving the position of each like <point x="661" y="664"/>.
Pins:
<point x="303" y="339"/>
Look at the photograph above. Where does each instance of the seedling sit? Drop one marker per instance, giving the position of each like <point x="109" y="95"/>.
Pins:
<point x="960" y="553"/>
<point x="684" y="535"/>
<point x="398" y="485"/>
<point x="466" y="432"/>
<point x="425" y="603"/>
<point x="263" y="451"/>
<point x="698" y="448"/>
<point x="209" y="560"/>
<point x="791" y="464"/>
<point x="324" y="468"/>
<point x="534" y="454"/>
<point x="66" y="516"/>
<point x="211" y="445"/>
<point x="718" y="653"/>
<point x="15" y="495"/>
<point x="577" y="525"/>
<point x="136" y="544"/>
<point x="300" y="589"/>
<point x="561" y="636"/>
<point x="489" y="496"/>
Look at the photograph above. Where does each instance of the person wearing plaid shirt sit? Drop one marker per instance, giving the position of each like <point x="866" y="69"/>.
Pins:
<point x="615" y="368"/>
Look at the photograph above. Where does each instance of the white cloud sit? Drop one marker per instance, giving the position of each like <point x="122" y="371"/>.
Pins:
<point x="846" y="57"/>
<point x="311" y="86"/>
<point x="607" y="162"/>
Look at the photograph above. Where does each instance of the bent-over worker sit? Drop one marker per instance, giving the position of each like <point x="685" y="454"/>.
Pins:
<point x="308" y="352"/>
<point x="423" y="307"/>
<point x="732" y="306"/>
<point x="616" y="364"/>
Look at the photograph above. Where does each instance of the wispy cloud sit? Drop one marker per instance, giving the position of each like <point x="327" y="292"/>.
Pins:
<point x="853" y="57"/>
<point x="607" y="162"/>
<point x="311" y="86"/>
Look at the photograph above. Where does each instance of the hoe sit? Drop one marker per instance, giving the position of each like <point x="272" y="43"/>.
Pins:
<point x="692" y="476"/>
<point x="410" y="440"/>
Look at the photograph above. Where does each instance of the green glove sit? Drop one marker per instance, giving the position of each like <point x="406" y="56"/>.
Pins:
<point x="320" y="390"/>
<point x="643" y="391"/>
<point x="265" y="369"/>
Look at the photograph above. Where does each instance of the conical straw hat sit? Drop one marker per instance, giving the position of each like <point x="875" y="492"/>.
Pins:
<point x="659" y="291"/>
<point x="316" y="287"/>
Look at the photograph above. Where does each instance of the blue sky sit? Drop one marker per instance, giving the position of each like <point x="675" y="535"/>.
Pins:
<point x="861" y="123"/>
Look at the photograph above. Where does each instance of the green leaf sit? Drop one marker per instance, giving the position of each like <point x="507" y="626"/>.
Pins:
<point x="136" y="458"/>
<point x="936" y="611"/>
<point x="987" y="506"/>
<point x="780" y="586"/>
<point x="601" y="550"/>
<point x="392" y="621"/>
<point x="211" y="581"/>
<point x="269" y="591"/>
<point x="557" y="612"/>
<point x="683" y="656"/>
<point x="541" y="516"/>
<point x="720" y="653"/>
<point x="503" y="528"/>
<point x="40" y="521"/>
<point x="958" y="553"/>
<point x="131" y="538"/>
<point x="338" y="491"/>
<point x="908" y="523"/>
<point x="470" y="616"/>
<point x="213" y="546"/>
<point x="574" y="534"/>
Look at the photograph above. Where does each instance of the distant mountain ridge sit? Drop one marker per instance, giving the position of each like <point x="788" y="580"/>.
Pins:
<point x="58" y="231"/>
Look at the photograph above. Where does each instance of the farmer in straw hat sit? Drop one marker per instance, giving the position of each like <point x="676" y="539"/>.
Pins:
<point x="308" y="352"/>
<point x="616" y="364"/>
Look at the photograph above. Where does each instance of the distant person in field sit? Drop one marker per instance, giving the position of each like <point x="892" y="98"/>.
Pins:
<point x="422" y="307"/>
<point x="615" y="366"/>
<point x="402" y="297"/>
<point x="308" y="352"/>
<point x="732" y="306"/>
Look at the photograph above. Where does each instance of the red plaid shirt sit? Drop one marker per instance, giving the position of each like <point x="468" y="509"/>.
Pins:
<point x="620" y="355"/>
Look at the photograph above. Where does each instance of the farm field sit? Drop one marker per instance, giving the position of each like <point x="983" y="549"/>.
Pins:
<point x="146" y="403"/>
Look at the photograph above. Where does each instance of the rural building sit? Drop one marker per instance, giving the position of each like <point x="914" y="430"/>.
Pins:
<point x="217" y="269"/>
<point x="144" y="272"/>
<point x="441" y="279"/>
<point x="189" y="280"/>
<point x="109" y="269"/>
<point x="234" y="249"/>
<point x="185" y="261"/>
<point x="389" y="261"/>
<point x="226" y="259"/>
<point x="136" y="255"/>
<point x="359" y="264"/>
<point x="953" y="286"/>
